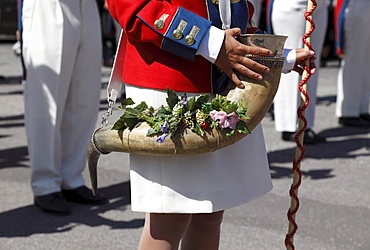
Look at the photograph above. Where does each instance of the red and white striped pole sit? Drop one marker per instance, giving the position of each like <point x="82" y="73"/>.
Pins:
<point x="300" y="151"/>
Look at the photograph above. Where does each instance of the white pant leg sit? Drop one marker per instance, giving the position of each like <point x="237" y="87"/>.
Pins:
<point x="353" y="84"/>
<point x="288" y="19"/>
<point x="82" y="104"/>
<point x="50" y="50"/>
<point x="42" y="43"/>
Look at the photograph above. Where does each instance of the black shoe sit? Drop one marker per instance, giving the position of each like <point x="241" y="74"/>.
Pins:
<point x="83" y="195"/>
<point x="288" y="136"/>
<point x="365" y="117"/>
<point x="354" y="121"/>
<point x="311" y="137"/>
<point x="53" y="203"/>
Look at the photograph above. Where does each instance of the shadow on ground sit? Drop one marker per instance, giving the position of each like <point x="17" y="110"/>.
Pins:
<point x="333" y="149"/>
<point x="29" y="220"/>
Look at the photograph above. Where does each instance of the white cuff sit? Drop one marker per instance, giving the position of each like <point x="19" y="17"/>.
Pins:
<point x="290" y="56"/>
<point x="211" y="44"/>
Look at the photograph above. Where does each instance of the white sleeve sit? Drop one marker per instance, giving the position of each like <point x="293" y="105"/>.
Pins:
<point x="211" y="44"/>
<point x="290" y="56"/>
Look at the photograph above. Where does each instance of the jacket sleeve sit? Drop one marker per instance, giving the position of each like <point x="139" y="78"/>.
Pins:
<point x="171" y="28"/>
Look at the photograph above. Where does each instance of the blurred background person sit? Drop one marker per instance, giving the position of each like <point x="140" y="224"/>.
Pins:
<point x="110" y="33"/>
<point x="61" y="47"/>
<point x="328" y="50"/>
<point x="352" y="19"/>
<point x="287" y="18"/>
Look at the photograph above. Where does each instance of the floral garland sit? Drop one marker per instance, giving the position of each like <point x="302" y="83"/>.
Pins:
<point x="196" y="113"/>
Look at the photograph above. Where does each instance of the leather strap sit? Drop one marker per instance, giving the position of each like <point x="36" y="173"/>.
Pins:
<point x="115" y="80"/>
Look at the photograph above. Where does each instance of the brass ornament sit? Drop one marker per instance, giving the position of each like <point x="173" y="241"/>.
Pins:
<point x="189" y="40"/>
<point x="177" y="34"/>
<point x="159" y="24"/>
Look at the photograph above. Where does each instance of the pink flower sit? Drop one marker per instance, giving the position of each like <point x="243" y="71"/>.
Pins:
<point x="218" y="115"/>
<point x="225" y="120"/>
<point x="233" y="118"/>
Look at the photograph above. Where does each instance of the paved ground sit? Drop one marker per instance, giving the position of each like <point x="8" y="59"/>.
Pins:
<point x="334" y="194"/>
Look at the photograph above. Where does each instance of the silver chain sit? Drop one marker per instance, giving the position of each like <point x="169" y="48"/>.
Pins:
<point x="105" y="116"/>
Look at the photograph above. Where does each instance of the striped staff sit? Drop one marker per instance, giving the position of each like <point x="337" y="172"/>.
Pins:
<point x="298" y="138"/>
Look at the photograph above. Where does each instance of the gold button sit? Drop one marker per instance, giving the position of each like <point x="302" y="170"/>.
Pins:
<point x="159" y="24"/>
<point x="177" y="34"/>
<point x="189" y="40"/>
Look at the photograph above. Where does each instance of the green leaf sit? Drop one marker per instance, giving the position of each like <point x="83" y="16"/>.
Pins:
<point x="242" y="105"/>
<point x="150" y="120"/>
<point x="190" y="104"/>
<point x="243" y="116"/>
<point x="198" y="129"/>
<point x="216" y="103"/>
<point x="131" y="122"/>
<point x="206" y="108"/>
<point x="125" y="103"/>
<point x="201" y="101"/>
<point x="119" y="124"/>
<point x="203" y="98"/>
<point x="173" y="126"/>
<point x="131" y="113"/>
<point x="241" y="126"/>
<point x="162" y="113"/>
<point x="152" y="131"/>
<point x="141" y="107"/>
<point x="229" y="108"/>
<point x="157" y="126"/>
<point x="172" y="98"/>
<point x="229" y="132"/>
<point x="221" y="103"/>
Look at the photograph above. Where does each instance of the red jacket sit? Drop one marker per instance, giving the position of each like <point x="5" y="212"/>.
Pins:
<point x="154" y="57"/>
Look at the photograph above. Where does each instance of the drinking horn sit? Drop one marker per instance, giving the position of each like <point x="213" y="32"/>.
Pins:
<point x="257" y="95"/>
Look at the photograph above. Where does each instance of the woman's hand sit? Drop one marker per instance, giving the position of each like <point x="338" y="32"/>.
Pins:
<point x="231" y="58"/>
<point x="302" y="56"/>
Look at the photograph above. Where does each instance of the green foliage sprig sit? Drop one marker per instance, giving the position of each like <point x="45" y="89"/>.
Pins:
<point x="198" y="113"/>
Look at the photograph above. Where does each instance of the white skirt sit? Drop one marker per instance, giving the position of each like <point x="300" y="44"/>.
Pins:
<point x="197" y="184"/>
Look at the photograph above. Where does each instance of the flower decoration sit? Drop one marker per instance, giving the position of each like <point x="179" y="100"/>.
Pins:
<point x="225" y="120"/>
<point x="197" y="113"/>
<point x="162" y="138"/>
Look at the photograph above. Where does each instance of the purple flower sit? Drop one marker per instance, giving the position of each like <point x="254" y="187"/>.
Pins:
<point x="164" y="128"/>
<point x="184" y="101"/>
<point x="225" y="120"/>
<point x="161" y="138"/>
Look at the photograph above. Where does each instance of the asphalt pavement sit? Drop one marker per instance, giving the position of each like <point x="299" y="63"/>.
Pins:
<point x="334" y="210"/>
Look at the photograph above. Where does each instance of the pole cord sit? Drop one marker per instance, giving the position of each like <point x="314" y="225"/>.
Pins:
<point x="298" y="138"/>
